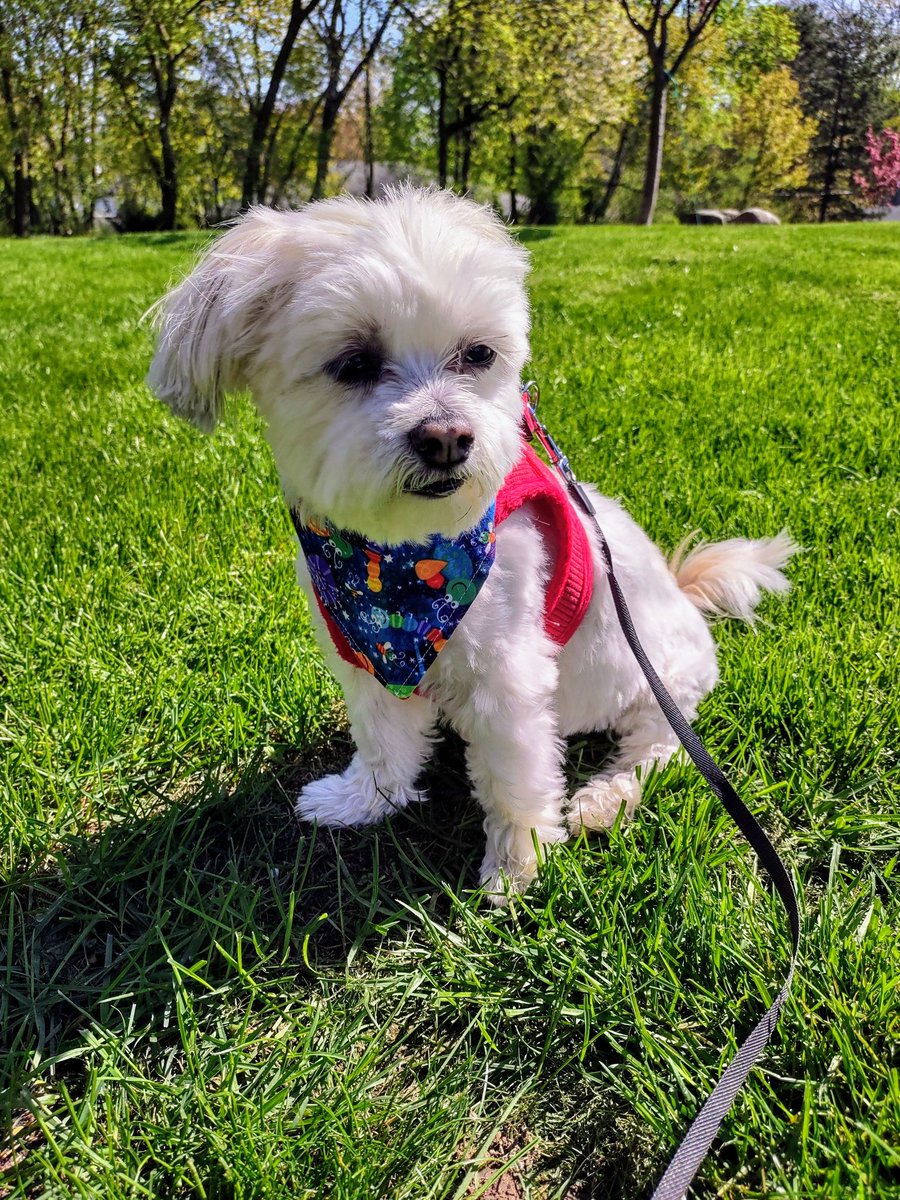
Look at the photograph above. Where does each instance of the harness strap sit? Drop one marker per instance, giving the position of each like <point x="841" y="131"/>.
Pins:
<point x="571" y="584"/>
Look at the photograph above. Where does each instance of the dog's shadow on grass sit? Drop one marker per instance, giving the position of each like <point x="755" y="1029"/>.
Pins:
<point x="216" y="885"/>
<point x="533" y="233"/>
<point x="189" y="884"/>
<point x="101" y="928"/>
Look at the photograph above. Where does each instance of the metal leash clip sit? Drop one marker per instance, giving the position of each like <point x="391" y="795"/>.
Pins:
<point x="531" y="396"/>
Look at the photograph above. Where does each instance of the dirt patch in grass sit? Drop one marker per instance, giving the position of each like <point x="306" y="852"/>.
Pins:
<point x="23" y="1135"/>
<point x="496" y="1181"/>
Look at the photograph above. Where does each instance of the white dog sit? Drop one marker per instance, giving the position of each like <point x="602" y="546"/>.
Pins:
<point x="383" y="342"/>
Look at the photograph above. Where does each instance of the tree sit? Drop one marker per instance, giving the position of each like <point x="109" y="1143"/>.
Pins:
<point x="582" y="87"/>
<point x="21" y="35"/>
<point x="597" y="193"/>
<point x="70" y="111"/>
<point x="50" y="100"/>
<point x="338" y="39"/>
<point x="462" y="65"/>
<point x="496" y="93"/>
<point x="148" y="47"/>
<point x="262" y="104"/>
<point x="670" y="30"/>
<point x="770" y="139"/>
<point x="846" y="68"/>
<point x="737" y="129"/>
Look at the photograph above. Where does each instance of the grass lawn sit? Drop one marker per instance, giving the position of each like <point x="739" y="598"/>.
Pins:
<point x="200" y="998"/>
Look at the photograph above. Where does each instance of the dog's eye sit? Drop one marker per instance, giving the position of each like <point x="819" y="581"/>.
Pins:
<point x="478" y="356"/>
<point x="358" y="369"/>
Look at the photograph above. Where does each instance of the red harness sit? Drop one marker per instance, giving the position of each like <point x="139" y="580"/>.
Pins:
<point x="572" y="582"/>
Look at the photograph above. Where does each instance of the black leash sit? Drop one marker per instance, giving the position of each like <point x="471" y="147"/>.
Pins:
<point x="696" y="1142"/>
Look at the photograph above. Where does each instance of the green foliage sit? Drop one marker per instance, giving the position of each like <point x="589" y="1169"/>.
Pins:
<point x="770" y="139"/>
<point x="203" y="998"/>
<point x="515" y="98"/>
<point x="548" y="110"/>
<point x="457" y="70"/>
<point x="738" y="135"/>
<point x="757" y="41"/>
<point x="49" y="111"/>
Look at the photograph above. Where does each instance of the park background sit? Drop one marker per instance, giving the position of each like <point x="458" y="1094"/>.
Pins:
<point x="200" y="997"/>
<point x="169" y="114"/>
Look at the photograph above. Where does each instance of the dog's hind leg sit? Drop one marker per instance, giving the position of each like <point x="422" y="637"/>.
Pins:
<point x="393" y="737"/>
<point x="646" y="741"/>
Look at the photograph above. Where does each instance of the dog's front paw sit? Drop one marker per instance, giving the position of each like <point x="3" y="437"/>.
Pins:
<point x="599" y="802"/>
<point x="354" y="798"/>
<point x="512" y="861"/>
<point x="499" y="884"/>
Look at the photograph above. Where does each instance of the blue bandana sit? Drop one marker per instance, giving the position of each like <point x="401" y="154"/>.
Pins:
<point x="391" y="609"/>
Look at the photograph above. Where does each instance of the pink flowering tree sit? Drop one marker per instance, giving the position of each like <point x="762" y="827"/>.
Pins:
<point x="882" y="182"/>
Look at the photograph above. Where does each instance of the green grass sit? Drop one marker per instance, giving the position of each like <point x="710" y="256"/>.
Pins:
<point x="200" y="998"/>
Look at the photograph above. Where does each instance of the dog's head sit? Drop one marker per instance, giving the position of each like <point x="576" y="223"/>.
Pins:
<point x="383" y="344"/>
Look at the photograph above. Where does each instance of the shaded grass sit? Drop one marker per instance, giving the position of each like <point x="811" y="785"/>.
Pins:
<point x="202" y="998"/>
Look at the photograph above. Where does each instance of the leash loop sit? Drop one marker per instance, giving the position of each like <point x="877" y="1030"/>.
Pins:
<point x="695" y="1144"/>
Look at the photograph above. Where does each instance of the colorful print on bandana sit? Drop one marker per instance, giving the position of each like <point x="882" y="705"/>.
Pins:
<point x="397" y="606"/>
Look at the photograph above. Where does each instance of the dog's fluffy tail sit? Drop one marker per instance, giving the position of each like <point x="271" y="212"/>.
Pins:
<point x="727" y="579"/>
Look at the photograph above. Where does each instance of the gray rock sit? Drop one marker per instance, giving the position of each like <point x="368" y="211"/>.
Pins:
<point x="708" y="216"/>
<point x="756" y="216"/>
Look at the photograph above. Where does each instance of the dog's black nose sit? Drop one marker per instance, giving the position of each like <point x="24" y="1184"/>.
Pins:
<point x="442" y="445"/>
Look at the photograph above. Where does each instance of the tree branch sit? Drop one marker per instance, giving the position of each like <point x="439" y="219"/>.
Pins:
<point x="643" y="30"/>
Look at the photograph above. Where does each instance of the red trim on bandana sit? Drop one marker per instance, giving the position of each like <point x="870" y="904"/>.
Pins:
<point x="572" y="583"/>
<point x="343" y="647"/>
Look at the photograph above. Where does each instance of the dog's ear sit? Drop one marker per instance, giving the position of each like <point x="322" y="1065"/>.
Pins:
<point x="209" y="325"/>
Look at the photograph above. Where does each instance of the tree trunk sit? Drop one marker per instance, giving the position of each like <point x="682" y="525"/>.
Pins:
<point x="21" y="182"/>
<point x="750" y="191"/>
<point x="653" y="167"/>
<point x="513" y="176"/>
<point x="268" y="159"/>
<point x="831" y="160"/>
<point x="332" y="97"/>
<point x="335" y="93"/>
<point x="465" y="164"/>
<point x="615" y="175"/>
<point x="21" y="197"/>
<point x="330" y="109"/>
<point x="256" y="146"/>
<point x="447" y="127"/>
<point x="168" y="192"/>
<point x="253" y="162"/>
<point x="828" y="185"/>
<point x="168" y="182"/>
<point x="293" y="157"/>
<point x="94" y="118"/>
<point x="368" y="135"/>
<point x="443" y="138"/>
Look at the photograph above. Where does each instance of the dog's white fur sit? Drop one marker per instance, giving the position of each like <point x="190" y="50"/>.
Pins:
<point x="284" y="294"/>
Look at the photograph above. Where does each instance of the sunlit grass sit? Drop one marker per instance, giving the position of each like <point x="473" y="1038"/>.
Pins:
<point x="201" y="999"/>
